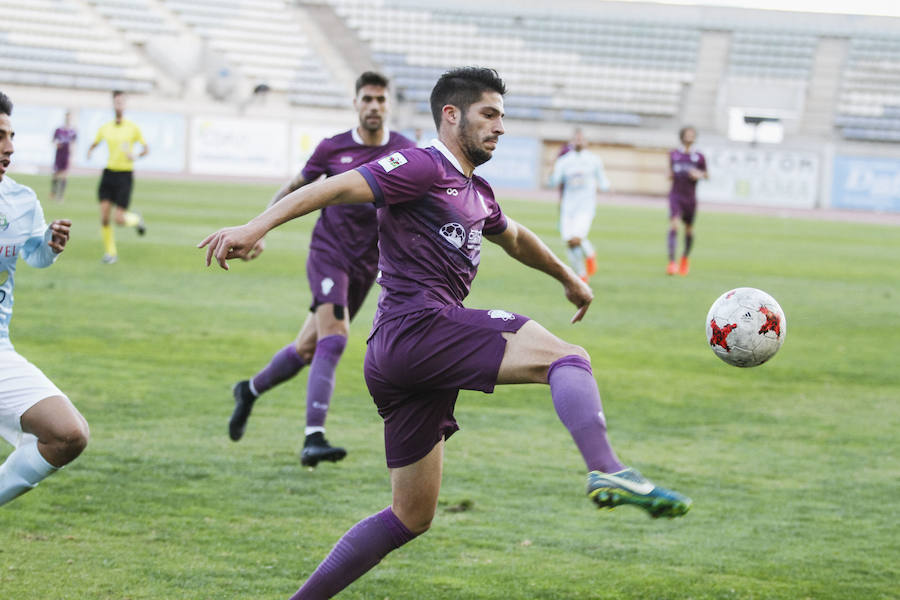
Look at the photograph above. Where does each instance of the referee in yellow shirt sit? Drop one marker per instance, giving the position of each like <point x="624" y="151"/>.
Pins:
<point x="120" y="136"/>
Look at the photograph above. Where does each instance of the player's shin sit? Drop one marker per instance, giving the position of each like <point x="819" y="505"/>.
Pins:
<point x="286" y="363"/>
<point x="577" y="402"/>
<point x="321" y="378"/>
<point x="22" y="470"/>
<point x="361" y="548"/>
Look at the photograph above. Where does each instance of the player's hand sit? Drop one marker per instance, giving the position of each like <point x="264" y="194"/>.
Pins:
<point x="231" y="242"/>
<point x="695" y="174"/>
<point x="256" y="250"/>
<point x="580" y="294"/>
<point x="59" y="234"/>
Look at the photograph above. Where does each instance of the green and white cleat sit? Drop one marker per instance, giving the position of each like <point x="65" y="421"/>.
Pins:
<point x="609" y="490"/>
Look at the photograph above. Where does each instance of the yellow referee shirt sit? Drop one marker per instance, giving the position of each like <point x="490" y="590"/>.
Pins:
<point x="120" y="139"/>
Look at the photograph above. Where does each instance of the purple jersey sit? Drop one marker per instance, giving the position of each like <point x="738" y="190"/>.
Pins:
<point x="63" y="137"/>
<point x="683" y="186"/>
<point x="431" y="218"/>
<point x="348" y="233"/>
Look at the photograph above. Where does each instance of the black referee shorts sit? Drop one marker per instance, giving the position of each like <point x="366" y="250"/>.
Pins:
<point x="115" y="186"/>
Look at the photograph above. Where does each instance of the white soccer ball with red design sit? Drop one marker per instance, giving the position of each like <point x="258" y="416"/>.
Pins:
<point x="745" y="327"/>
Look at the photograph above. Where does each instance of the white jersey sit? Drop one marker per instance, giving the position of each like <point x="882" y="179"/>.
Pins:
<point x="581" y="174"/>
<point x="24" y="232"/>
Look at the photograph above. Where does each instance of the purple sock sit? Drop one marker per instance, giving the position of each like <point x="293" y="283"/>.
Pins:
<point x="671" y="243"/>
<point x="688" y="242"/>
<point x="361" y="548"/>
<point x="577" y="402"/>
<point x="286" y="363"/>
<point x="321" y="378"/>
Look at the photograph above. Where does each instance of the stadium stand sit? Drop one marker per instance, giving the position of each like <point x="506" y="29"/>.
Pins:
<point x="58" y="43"/>
<point x="262" y="40"/>
<point x="869" y="95"/>
<point x="587" y="69"/>
<point x="136" y="19"/>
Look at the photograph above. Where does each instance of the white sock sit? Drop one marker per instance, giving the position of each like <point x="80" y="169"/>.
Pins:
<point x="23" y="470"/>
<point x="587" y="247"/>
<point x="312" y="430"/>
<point x="576" y="259"/>
<point x="253" y="388"/>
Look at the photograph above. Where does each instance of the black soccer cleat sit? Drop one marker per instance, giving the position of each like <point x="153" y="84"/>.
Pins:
<point x="141" y="227"/>
<point x="316" y="448"/>
<point x="243" y="404"/>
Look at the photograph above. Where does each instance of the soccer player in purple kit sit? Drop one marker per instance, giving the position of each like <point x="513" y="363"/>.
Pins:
<point x="63" y="138"/>
<point x="341" y="268"/>
<point x="433" y="213"/>
<point x="686" y="167"/>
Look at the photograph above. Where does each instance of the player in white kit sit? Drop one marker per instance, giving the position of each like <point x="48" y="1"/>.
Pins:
<point x="580" y="173"/>
<point x="47" y="431"/>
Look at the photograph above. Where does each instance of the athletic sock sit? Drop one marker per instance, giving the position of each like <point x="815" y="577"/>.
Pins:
<point x="688" y="242"/>
<point x="587" y="247"/>
<point x="286" y="363"/>
<point x="361" y="548"/>
<point x="671" y="244"/>
<point x="62" y="187"/>
<point x="54" y="187"/>
<point x="23" y="470"/>
<point x="109" y="239"/>
<point x="321" y="378"/>
<point x="576" y="259"/>
<point x="577" y="402"/>
<point x="132" y="219"/>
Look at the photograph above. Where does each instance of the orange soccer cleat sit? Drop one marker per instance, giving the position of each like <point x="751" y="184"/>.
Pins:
<point x="672" y="268"/>
<point x="590" y="264"/>
<point x="684" y="266"/>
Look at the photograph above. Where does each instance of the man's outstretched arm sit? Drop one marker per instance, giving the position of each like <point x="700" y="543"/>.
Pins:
<point x="527" y="248"/>
<point x="236" y="242"/>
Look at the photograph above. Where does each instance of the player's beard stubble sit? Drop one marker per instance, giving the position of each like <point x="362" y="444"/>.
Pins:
<point x="472" y="145"/>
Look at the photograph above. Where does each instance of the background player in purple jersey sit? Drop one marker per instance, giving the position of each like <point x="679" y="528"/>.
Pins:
<point x="433" y="213"/>
<point x="63" y="137"/>
<point x="686" y="168"/>
<point x="341" y="267"/>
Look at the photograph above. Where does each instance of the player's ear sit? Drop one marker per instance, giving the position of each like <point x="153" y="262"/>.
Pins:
<point x="451" y="114"/>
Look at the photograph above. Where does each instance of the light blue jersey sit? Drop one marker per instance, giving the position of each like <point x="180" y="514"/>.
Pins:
<point x="23" y="232"/>
<point x="581" y="174"/>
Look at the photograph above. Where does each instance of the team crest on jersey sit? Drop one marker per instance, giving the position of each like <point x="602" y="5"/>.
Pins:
<point x="391" y="162"/>
<point x="501" y="314"/>
<point x="4" y="222"/>
<point x="453" y="233"/>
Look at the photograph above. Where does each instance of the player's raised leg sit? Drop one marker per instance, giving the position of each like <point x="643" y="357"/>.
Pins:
<point x="58" y="435"/>
<point x="332" y="329"/>
<point x="534" y="355"/>
<point x="285" y="364"/>
<point x="671" y="240"/>
<point x="414" y="489"/>
<point x="110" y="254"/>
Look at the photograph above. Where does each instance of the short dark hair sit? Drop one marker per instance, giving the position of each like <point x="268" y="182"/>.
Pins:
<point x="371" y="78"/>
<point x="5" y="105"/>
<point x="463" y="87"/>
<point x="684" y="129"/>
<point x="117" y="93"/>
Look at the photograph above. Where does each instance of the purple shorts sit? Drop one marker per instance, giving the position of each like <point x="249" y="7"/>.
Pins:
<point x="61" y="160"/>
<point x="416" y="364"/>
<point x="334" y="284"/>
<point x="684" y="208"/>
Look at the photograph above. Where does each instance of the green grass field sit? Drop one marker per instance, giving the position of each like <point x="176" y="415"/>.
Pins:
<point x="793" y="466"/>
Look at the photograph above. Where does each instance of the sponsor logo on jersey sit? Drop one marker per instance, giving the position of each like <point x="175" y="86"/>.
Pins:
<point x="496" y="313"/>
<point x="327" y="284"/>
<point x="453" y="233"/>
<point x="4" y="222"/>
<point x="391" y="162"/>
<point x="452" y="192"/>
<point x="346" y="160"/>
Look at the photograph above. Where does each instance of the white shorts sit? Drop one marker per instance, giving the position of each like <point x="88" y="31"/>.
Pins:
<point x="22" y="385"/>
<point x="576" y="225"/>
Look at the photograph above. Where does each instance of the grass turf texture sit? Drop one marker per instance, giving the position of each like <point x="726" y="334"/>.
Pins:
<point x="792" y="466"/>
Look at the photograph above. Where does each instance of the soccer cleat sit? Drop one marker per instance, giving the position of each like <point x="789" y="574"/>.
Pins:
<point x="609" y="490"/>
<point x="672" y="268"/>
<point x="109" y="259"/>
<point x="243" y="404"/>
<point x="141" y="227"/>
<point x="316" y="448"/>
<point x="684" y="266"/>
<point x="590" y="263"/>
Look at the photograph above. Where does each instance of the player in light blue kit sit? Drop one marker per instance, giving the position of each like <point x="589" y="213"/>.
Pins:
<point x="580" y="173"/>
<point x="35" y="417"/>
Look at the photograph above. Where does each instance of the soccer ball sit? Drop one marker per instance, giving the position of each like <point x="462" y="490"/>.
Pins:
<point x="745" y="327"/>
